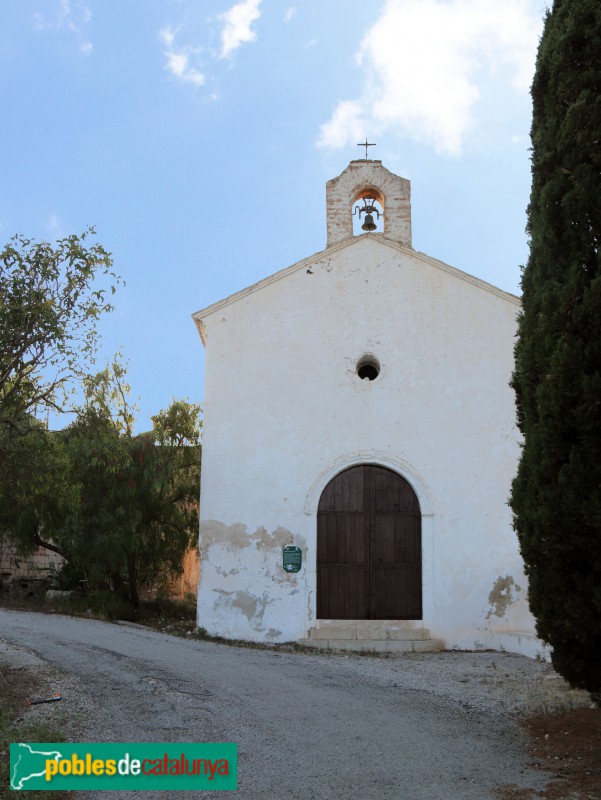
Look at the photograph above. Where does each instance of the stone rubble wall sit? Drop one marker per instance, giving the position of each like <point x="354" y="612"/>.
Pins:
<point x="38" y="565"/>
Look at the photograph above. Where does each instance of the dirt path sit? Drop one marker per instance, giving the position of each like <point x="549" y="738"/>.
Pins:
<point x="419" y="727"/>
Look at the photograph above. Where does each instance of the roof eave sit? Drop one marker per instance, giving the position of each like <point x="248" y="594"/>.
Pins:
<point x="305" y="263"/>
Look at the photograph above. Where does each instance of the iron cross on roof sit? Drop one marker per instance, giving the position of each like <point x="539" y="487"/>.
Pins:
<point x="366" y="144"/>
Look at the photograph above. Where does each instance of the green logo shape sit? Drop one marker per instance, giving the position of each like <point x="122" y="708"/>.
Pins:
<point x="123" y="766"/>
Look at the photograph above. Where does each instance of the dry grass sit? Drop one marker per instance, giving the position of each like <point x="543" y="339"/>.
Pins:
<point x="553" y="695"/>
<point x="17" y="686"/>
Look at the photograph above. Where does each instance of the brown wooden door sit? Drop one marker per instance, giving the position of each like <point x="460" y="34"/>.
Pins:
<point x="369" y="547"/>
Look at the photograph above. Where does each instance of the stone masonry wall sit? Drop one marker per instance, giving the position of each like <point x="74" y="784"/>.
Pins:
<point x="37" y="565"/>
<point x="393" y="191"/>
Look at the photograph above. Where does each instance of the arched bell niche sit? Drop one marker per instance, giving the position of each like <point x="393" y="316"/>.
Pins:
<point x="392" y="198"/>
<point x="368" y="212"/>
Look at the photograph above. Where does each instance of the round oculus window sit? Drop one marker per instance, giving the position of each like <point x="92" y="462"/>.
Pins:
<point x="368" y="368"/>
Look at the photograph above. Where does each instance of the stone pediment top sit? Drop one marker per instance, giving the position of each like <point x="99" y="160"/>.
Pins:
<point x="322" y="257"/>
<point x="367" y="178"/>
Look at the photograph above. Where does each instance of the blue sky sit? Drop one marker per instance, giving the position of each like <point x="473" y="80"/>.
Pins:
<point x="197" y="137"/>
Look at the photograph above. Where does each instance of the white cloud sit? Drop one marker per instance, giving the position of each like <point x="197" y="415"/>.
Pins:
<point x="70" y="15"/>
<point x="179" y="60"/>
<point x="168" y="36"/>
<point x="237" y="25"/>
<point x="55" y="226"/>
<point x="347" y="123"/>
<point x="425" y="64"/>
<point x="290" y="13"/>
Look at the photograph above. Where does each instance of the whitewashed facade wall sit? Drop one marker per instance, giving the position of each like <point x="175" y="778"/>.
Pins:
<point x="285" y="411"/>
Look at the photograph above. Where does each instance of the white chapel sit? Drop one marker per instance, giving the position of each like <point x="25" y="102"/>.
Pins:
<point x="359" y="445"/>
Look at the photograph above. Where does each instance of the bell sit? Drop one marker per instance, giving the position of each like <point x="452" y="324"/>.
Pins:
<point x="369" y="224"/>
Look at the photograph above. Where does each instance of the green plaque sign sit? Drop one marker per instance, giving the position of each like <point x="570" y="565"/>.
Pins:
<point x="292" y="558"/>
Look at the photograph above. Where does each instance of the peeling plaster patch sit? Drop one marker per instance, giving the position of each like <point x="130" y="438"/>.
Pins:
<point x="247" y="604"/>
<point x="278" y="538"/>
<point x="500" y="596"/>
<point x="283" y="578"/>
<point x="272" y="635"/>
<point x="213" y="532"/>
<point x="226" y="572"/>
<point x="242" y="562"/>
<point x="251" y="606"/>
<point x="237" y="536"/>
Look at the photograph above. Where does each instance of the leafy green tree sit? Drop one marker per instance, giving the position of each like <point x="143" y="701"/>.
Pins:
<point x="556" y="496"/>
<point x="121" y="509"/>
<point x="51" y="299"/>
<point x="37" y="495"/>
<point x="138" y="510"/>
<point x="105" y="514"/>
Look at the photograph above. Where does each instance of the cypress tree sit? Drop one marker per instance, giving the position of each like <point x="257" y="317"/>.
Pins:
<point x="556" y="495"/>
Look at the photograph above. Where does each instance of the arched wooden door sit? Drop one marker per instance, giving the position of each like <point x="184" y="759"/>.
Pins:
<point x="369" y="547"/>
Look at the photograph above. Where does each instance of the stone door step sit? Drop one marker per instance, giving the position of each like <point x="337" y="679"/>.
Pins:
<point x="375" y="645"/>
<point x="381" y="636"/>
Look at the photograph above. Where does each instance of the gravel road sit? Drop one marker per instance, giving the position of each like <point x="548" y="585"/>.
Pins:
<point x="415" y="727"/>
